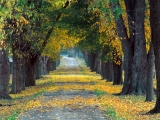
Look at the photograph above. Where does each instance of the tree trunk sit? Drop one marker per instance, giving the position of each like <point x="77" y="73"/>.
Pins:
<point x="4" y="75"/>
<point x="96" y="63"/>
<point x="16" y="78"/>
<point x="107" y="68"/>
<point x="107" y="71"/>
<point x="38" y="71"/>
<point x="22" y="74"/>
<point x="30" y="72"/>
<point x="91" y="60"/>
<point x="155" y="28"/>
<point x="49" y="65"/>
<point x="54" y="65"/>
<point x="127" y="47"/>
<point x="99" y="65"/>
<point x="139" y="72"/>
<point x="44" y="61"/>
<point x="134" y="48"/>
<point x="150" y="74"/>
<point x="86" y="58"/>
<point x="117" y="74"/>
<point x="104" y="70"/>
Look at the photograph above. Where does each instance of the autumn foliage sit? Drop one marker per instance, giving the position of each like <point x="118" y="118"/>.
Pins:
<point x="128" y="107"/>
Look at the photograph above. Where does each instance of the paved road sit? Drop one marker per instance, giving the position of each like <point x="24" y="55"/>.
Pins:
<point x="66" y="112"/>
<point x="70" y="62"/>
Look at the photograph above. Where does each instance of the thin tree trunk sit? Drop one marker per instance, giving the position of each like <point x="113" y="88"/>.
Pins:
<point x="99" y="65"/>
<point x="22" y="73"/>
<point x="104" y="70"/>
<point x="44" y="61"/>
<point x="96" y="63"/>
<point x="86" y="59"/>
<point x="38" y="67"/>
<point x="91" y="60"/>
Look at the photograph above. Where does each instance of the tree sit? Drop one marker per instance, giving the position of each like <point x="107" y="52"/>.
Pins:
<point x="27" y="35"/>
<point x="134" y="45"/>
<point x="155" y="28"/>
<point x="4" y="75"/>
<point x="82" y="23"/>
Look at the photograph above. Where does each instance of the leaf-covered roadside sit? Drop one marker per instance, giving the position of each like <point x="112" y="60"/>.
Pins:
<point x="127" y="107"/>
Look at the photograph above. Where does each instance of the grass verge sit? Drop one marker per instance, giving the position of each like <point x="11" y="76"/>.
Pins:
<point x="15" y="114"/>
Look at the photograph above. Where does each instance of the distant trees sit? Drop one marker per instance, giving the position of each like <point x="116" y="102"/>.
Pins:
<point x="120" y="35"/>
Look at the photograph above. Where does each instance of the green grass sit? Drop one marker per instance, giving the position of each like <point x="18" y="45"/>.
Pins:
<point x="99" y="93"/>
<point x="15" y="114"/>
<point x="110" y="110"/>
<point x="112" y="113"/>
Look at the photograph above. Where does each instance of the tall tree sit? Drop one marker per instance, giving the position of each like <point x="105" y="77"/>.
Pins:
<point x="134" y="45"/>
<point x="155" y="28"/>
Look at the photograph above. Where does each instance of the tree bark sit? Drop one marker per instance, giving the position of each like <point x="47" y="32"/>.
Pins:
<point x="107" y="71"/>
<point x="4" y="75"/>
<point x="38" y="71"/>
<point x="107" y="67"/>
<point x="86" y="59"/>
<point x="44" y="62"/>
<point x="30" y="72"/>
<point x="95" y="63"/>
<point x="98" y="65"/>
<point x="91" y="60"/>
<point x="155" y="28"/>
<point x="117" y="69"/>
<point x="16" y="78"/>
<point x="49" y="65"/>
<point x="127" y="47"/>
<point x="134" y="48"/>
<point x="22" y="74"/>
<point x="139" y="75"/>
<point x="150" y="74"/>
<point x="54" y="65"/>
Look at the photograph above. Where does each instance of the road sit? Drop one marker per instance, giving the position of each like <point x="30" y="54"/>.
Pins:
<point x="67" y="112"/>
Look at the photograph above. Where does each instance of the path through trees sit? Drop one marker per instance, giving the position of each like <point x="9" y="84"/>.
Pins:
<point x="72" y="104"/>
